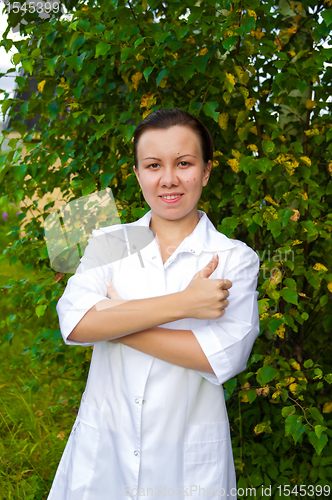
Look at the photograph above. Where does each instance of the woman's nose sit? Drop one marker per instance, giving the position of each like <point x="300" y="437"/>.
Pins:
<point x="169" y="176"/>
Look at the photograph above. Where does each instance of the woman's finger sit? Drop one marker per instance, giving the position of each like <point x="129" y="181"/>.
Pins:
<point x="111" y="291"/>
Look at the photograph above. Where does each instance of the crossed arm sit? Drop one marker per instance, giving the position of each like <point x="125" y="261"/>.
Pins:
<point x="179" y="347"/>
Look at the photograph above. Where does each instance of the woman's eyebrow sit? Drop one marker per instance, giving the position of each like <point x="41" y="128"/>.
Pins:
<point x="152" y="158"/>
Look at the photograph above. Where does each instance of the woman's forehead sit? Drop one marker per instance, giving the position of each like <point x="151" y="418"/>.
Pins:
<point x="175" y="138"/>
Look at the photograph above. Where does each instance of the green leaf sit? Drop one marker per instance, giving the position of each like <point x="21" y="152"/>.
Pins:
<point x="125" y="52"/>
<point x="51" y="64"/>
<point x="292" y="423"/>
<point x="102" y="129"/>
<point x="102" y="48"/>
<point x="17" y="58"/>
<point x="316" y="414"/>
<point x="40" y="310"/>
<point x="318" y="443"/>
<point x="289" y="295"/>
<point x="138" y="41"/>
<point x="209" y="109"/>
<point x="308" y="363"/>
<point x="53" y="110"/>
<point x="230" y="42"/>
<point x="266" y="374"/>
<point x="327" y="16"/>
<point x="28" y="66"/>
<point x="161" y="75"/>
<point x="147" y="72"/>
<point x="319" y="429"/>
<point x="268" y="147"/>
<point x="288" y="410"/>
<point x="98" y="118"/>
<point x="252" y="395"/>
<point x="298" y="433"/>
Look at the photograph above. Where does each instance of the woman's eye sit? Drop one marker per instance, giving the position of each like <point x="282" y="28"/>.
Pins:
<point x="157" y="164"/>
<point x="184" y="162"/>
<point x="152" y="165"/>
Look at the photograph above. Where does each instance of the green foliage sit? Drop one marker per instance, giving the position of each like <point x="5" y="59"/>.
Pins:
<point x="258" y="74"/>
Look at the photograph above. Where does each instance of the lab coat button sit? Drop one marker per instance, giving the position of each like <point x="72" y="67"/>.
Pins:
<point x="136" y="453"/>
<point x="153" y="256"/>
<point x="144" y="401"/>
<point x="137" y="400"/>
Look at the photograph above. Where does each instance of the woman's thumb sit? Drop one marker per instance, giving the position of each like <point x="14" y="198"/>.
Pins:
<point x="108" y="283"/>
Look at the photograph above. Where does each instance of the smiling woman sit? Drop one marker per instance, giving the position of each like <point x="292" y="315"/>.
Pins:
<point x="153" y="416"/>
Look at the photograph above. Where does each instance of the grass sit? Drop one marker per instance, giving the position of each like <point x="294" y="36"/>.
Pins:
<point x="35" y="416"/>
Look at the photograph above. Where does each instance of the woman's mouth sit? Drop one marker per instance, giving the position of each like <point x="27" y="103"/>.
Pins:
<point x="171" y="199"/>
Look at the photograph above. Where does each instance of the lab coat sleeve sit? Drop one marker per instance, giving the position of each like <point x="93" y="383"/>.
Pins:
<point x="228" y="341"/>
<point x="86" y="287"/>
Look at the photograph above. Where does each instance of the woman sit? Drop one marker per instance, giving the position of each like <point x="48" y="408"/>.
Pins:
<point x="152" y="420"/>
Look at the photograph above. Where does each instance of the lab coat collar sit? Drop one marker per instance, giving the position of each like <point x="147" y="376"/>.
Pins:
<point x="204" y="237"/>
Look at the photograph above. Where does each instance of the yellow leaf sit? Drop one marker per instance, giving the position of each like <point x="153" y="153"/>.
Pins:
<point x="281" y="331"/>
<point x="319" y="267"/>
<point x="293" y="387"/>
<point x="217" y="153"/>
<point x="245" y="398"/>
<point x="292" y="29"/>
<point x="257" y="33"/>
<point x="271" y="200"/>
<point x="252" y="13"/>
<point x="253" y="147"/>
<point x="148" y="101"/>
<point x="329" y="286"/>
<point x="227" y="97"/>
<point x="144" y="4"/>
<point x="292" y="53"/>
<point x="250" y="103"/>
<point x="85" y="8"/>
<point x="136" y="78"/>
<point x="262" y="427"/>
<point x="231" y="79"/>
<point x="296" y="365"/>
<point x="223" y="120"/>
<point x="233" y="163"/>
<point x="236" y="154"/>
<point x="310" y="104"/>
<point x="289" y="380"/>
<point x="306" y="160"/>
<point x="203" y="51"/>
<point x="215" y="163"/>
<point x="327" y="408"/>
<point x="242" y="75"/>
<point x="245" y="92"/>
<point x="41" y="85"/>
<point x="276" y="394"/>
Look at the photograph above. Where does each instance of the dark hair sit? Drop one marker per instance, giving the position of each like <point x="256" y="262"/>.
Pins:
<point x="166" y="118"/>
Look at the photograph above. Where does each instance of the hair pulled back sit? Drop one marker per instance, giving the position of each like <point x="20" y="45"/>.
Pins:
<point x="166" y="118"/>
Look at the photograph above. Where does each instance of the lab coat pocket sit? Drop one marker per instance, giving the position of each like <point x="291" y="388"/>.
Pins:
<point x="83" y="450"/>
<point x="205" y="457"/>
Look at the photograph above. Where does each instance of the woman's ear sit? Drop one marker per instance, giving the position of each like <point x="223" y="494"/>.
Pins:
<point x="137" y="176"/>
<point x="207" y="171"/>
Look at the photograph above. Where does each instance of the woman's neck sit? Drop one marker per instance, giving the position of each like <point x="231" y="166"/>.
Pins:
<point x="174" y="230"/>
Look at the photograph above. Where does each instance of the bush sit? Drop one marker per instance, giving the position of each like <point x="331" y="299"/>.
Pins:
<point x="258" y="74"/>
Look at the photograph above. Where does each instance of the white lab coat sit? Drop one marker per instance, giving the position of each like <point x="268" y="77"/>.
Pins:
<point x="147" y="428"/>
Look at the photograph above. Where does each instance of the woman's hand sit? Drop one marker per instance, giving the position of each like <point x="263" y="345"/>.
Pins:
<point x="206" y="298"/>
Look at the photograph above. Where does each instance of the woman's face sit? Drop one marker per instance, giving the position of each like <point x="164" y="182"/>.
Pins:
<point x="170" y="161"/>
